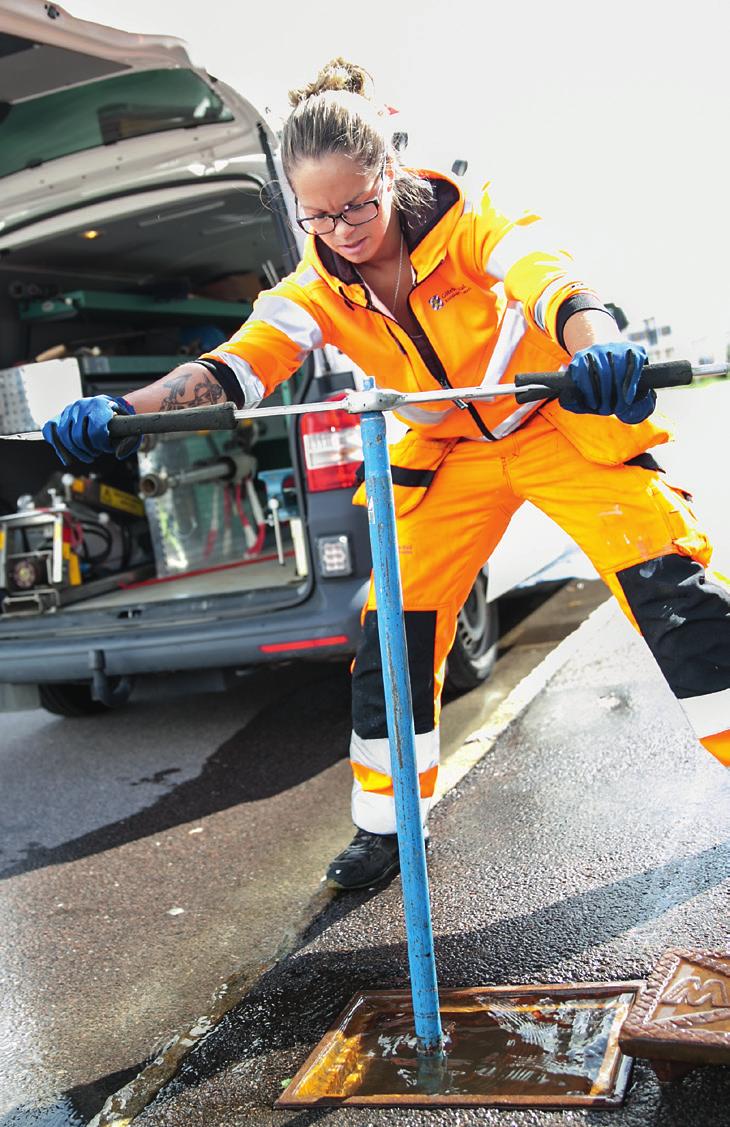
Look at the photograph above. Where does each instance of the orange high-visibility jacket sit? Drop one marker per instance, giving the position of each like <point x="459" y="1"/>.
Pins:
<point x="489" y="298"/>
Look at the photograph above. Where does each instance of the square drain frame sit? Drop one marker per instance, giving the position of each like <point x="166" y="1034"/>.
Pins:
<point x="340" y="1070"/>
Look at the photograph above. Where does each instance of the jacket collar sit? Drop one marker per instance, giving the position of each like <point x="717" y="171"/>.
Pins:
<point x="427" y="235"/>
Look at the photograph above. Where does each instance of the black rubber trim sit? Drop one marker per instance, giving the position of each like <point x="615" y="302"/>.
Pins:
<point x="416" y="225"/>
<point x="399" y="475"/>
<point x="577" y="303"/>
<point x="645" y="461"/>
<point x="412" y="479"/>
<point x="684" y="617"/>
<point x="227" y="379"/>
<point x="368" y="696"/>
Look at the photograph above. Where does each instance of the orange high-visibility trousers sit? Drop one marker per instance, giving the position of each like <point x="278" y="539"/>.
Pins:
<point x="637" y="530"/>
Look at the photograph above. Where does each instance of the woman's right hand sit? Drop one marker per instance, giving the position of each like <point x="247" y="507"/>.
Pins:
<point x="81" y="431"/>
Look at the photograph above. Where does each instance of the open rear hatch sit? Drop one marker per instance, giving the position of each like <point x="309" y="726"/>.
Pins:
<point x="133" y="235"/>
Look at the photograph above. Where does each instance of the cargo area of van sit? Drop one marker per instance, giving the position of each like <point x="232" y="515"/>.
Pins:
<point x="144" y="207"/>
<point x="109" y="308"/>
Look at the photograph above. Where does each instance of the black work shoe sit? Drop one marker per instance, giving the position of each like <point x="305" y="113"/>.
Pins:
<point x="368" y="859"/>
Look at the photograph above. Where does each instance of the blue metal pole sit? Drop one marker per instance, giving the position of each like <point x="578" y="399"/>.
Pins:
<point x="399" y="712"/>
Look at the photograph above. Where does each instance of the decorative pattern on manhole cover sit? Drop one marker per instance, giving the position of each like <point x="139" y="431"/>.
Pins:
<point x="683" y="1014"/>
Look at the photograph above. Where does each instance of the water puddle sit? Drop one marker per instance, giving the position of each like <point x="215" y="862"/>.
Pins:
<point x="505" y="1046"/>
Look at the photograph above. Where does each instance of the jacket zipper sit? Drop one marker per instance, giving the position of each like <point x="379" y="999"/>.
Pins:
<point x="437" y="371"/>
<point x="443" y="379"/>
<point x="391" y="333"/>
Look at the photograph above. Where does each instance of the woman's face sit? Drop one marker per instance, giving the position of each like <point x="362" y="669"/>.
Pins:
<point x="334" y="183"/>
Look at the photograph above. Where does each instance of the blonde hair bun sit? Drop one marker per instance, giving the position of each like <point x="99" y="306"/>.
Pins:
<point x="337" y="74"/>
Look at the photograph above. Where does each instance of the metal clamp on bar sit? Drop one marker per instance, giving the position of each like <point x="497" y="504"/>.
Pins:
<point x="374" y="399"/>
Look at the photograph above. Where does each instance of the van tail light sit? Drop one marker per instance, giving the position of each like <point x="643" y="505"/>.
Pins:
<point x="332" y="449"/>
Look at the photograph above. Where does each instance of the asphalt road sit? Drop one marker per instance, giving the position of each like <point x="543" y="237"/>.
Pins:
<point x="150" y="856"/>
<point x="594" y="836"/>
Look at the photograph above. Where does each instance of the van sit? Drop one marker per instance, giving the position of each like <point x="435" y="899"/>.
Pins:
<point x="143" y="209"/>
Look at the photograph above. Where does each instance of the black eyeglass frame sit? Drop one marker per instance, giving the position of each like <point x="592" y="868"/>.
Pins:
<point x="377" y="200"/>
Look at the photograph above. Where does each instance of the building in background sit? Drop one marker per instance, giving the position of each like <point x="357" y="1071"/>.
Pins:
<point x="662" y="343"/>
<point x="658" y="340"/>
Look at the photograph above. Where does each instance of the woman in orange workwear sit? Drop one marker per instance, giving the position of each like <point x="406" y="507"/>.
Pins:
<point x="421" y="289"/>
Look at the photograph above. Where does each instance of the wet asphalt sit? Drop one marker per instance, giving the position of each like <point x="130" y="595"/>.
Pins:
<point x="145" y="863"/>
<point x="592" y="837"/>
<point x="155" y="861"/>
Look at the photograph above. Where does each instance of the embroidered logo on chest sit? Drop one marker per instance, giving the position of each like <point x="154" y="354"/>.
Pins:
<point x="438" y="301"/>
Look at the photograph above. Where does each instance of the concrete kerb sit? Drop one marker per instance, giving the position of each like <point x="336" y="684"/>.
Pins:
<point x="122" y="1107"/>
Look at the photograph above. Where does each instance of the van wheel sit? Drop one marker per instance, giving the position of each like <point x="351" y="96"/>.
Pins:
<point x="474" y="651"/>
<point x="73" y="699"/>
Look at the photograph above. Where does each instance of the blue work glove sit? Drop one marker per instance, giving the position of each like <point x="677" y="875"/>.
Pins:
<point x="81" y="431"/>
<point x="605" y="378"/>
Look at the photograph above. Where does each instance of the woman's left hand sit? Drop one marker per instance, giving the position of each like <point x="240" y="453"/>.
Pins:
<point x="605" y="379"/>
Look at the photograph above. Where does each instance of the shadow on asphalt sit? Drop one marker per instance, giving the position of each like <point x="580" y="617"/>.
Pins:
<point x="266" y="757"/>
<point x="297" y="1001"/>
<point x="73" y="1108"/>
<point x="270" y="755"/>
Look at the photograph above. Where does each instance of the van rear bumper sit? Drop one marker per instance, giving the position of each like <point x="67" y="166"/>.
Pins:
<point x="327" y="625"/>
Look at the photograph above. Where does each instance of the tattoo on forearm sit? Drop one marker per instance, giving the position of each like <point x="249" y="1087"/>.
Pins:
<point x="194" y="389"/>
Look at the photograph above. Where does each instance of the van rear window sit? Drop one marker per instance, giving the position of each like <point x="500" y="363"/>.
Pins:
<point x="102" y="113"/>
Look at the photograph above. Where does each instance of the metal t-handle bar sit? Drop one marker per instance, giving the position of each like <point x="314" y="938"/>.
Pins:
<point x="528" y="387"/>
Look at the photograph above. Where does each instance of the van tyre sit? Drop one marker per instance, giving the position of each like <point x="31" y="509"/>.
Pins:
<point x="474" y="652"/>
<point x="73" y="699"/>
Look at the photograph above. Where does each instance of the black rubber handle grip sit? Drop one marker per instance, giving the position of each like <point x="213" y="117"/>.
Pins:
<point x="219" y="417"/>
<point x="674" y="373"/>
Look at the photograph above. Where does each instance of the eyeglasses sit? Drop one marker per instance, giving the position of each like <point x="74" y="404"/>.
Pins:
<point x="354" y="215"/>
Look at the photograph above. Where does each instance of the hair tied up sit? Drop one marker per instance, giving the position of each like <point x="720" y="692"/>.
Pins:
<point x="338" y="114"/>
<point x="337" y="74"/>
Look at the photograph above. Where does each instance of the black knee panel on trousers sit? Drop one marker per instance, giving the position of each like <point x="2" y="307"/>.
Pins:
<point x="368" y="695"/>
<point x="684" y="617"/>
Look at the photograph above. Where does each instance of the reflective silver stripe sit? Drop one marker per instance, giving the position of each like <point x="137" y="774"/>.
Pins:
<point x="708" y="714"/>
<point x="376" y="812"/>
<point x="518" y="242"/>
<point x="511" y="332"/>
<point x="253" y="389"/>
<point x="288" y="317"/>
<point x="375" y="753"/>
<point x="415" y="414"/>
<point x="544" y="300"/>
<point x="307" y="276"/>
<point x="513" y="421"/>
